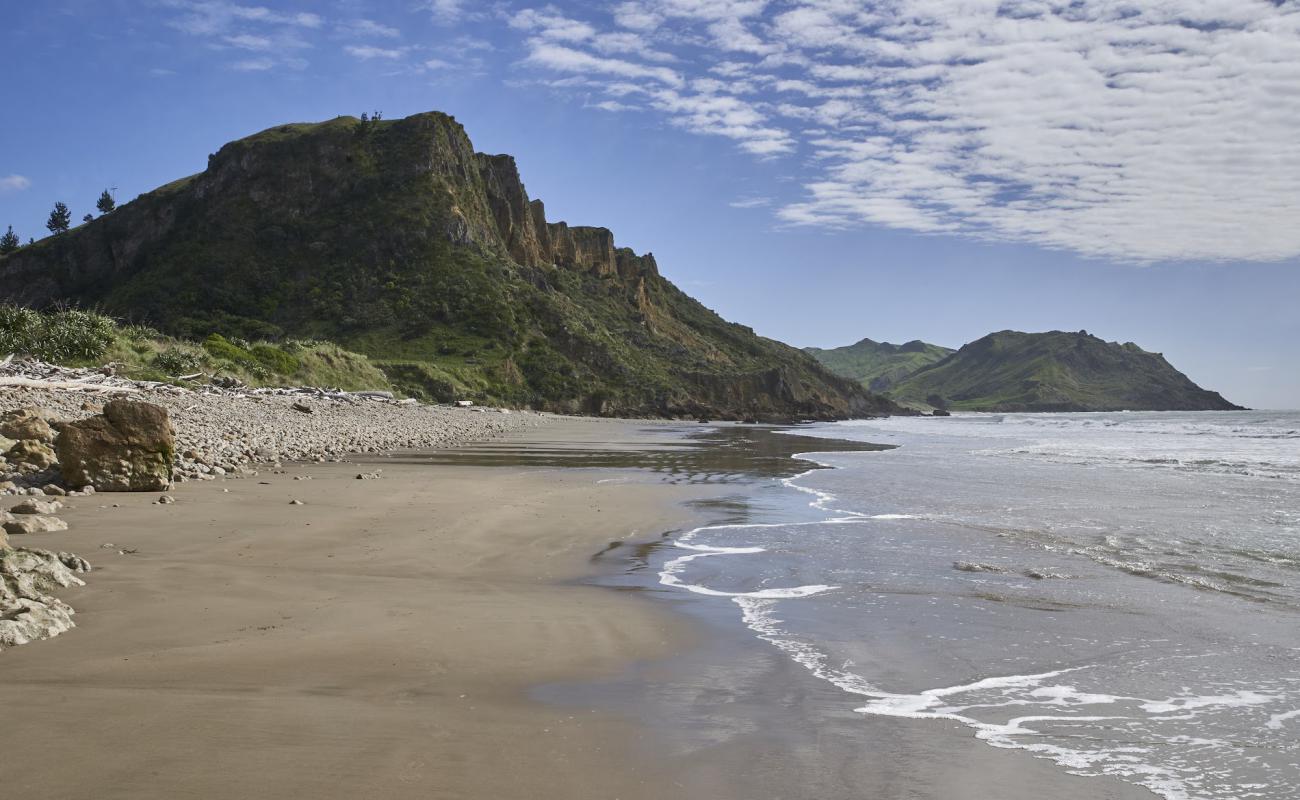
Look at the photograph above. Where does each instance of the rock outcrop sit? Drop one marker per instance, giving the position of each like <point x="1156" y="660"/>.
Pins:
<point x="28" y="612"/>
<point x="127" y="448"/>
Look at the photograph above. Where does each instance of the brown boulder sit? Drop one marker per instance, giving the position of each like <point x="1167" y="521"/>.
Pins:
<point x="26" y="423"/>
<point x="128" y="448"/>
<point x="33" y="452"/>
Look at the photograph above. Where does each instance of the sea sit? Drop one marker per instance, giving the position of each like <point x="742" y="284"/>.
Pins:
<point x="1116" y="593"/>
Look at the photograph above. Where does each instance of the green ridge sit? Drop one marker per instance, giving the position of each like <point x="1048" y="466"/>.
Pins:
<point x="879" y="365"/>
<point x="1054" y="371"/>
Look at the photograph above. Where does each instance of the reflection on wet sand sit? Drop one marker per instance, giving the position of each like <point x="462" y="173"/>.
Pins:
<point x="688" y="454"/>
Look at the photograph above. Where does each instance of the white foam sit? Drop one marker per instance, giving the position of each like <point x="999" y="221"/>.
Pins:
<point x="1275" y="722"/>
<point x="1193" y="702"/>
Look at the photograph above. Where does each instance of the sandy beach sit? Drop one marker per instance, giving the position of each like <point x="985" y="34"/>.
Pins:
<point x="386" y="638"/>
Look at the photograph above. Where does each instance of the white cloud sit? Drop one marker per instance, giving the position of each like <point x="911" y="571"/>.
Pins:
<point x="366" y="52"/>
<point x="213" y="17"/>
<point x="1135" y="131"/>
<point x="368" y="27"/>
<point x="449" y="12"/>
<point x="566" y="59"/>
<point x="253" y="65"/>
<point x="751" y="202"/>
<point x="249" y="42"/>
<point x="14" y="183"/>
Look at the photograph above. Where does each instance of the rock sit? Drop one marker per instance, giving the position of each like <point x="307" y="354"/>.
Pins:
<point x="6" y="443"/>
<point x="34" y="523"/>
<point x="27" y="612"/>
<point x="32" y="453"/>
<point x="54" y="490"/>
<point x="37" y="507"/>
<point x="31" y="422"/>
<point x="296" y="503"/>
<point x="303" y="407"/>
<point x="128" y="448"/>
<point x="166" y="500"/>
<point x="74" y="562"/>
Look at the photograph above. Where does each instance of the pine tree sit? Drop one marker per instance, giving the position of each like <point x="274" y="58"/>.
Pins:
<point x="60" y="219"/>
<point x="87" y="218"/>
<point x="8" y="242"/>
<point x="106" y="203"/>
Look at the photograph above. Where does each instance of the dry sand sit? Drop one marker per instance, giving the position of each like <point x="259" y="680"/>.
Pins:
<point x="376" y="641"/>
<point x="380" y="641"/>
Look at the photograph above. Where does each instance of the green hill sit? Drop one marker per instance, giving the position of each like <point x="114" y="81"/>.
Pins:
<point x="879" y="365"/>
<point x="1055" y="371"/>
<point x="396" y="240"/>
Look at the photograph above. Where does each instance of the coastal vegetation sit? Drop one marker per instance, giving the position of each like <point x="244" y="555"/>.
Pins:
<point x="78" y="338"/>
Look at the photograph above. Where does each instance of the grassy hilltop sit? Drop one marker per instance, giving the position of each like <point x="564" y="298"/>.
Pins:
<point x="879" y="365"/>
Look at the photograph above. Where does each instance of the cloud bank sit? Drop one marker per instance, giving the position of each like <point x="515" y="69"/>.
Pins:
<point x="1135" y="131"/>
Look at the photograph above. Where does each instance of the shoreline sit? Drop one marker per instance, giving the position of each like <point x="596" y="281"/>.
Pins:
<point x="475" y="623"/>
<point x="379" y="640"/>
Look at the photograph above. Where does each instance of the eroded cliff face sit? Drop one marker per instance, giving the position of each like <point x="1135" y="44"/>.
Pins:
<point x="400" y="241"/>
<point x="522" y="228"/>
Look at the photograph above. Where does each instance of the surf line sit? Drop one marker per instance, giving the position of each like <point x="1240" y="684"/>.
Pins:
<point x="669" y="575"/>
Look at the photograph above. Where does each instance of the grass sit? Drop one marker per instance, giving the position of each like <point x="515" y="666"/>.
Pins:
<point x="78" y="338"/>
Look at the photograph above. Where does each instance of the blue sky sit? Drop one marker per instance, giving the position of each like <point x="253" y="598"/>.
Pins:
<point x="822" y="170"/>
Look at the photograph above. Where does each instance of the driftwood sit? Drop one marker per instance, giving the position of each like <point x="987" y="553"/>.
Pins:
<point x="75" y="386"/>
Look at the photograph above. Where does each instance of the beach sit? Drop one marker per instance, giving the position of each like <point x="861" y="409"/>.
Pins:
<point x="451" y="629"/>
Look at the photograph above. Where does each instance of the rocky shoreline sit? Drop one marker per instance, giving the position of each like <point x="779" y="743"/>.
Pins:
<point x="216" y="435"/>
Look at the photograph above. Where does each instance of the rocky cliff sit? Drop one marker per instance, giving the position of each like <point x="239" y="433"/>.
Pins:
<point x="398" y="240"/>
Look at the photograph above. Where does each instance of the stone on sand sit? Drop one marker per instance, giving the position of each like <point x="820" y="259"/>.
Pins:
<point x="128" y="448"/>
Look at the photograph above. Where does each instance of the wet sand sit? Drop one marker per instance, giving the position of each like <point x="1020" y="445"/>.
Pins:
<point x="388" y="638"/>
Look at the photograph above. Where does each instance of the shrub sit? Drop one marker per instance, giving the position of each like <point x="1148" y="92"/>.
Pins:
<point x="19" y="329"/>
<point x="58" y="337"/>
<point x="76" y="336"/>
<point x="219" y="346"/>
<point x="178" y="361"/>
<point x="275" y="359"/>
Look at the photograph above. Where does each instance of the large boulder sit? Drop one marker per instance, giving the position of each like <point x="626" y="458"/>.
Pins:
<point x="128" y="448"/>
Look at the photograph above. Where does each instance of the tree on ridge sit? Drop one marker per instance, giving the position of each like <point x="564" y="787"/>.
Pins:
<point x="60" y="219"/>
<point x="8" y="242"/>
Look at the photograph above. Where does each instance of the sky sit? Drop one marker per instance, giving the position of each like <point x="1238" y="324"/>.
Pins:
<point x="820" y="170"/>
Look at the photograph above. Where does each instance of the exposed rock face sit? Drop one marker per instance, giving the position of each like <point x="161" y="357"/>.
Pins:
<point x="128" y="448"/>
<point x="27" y="611"/>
